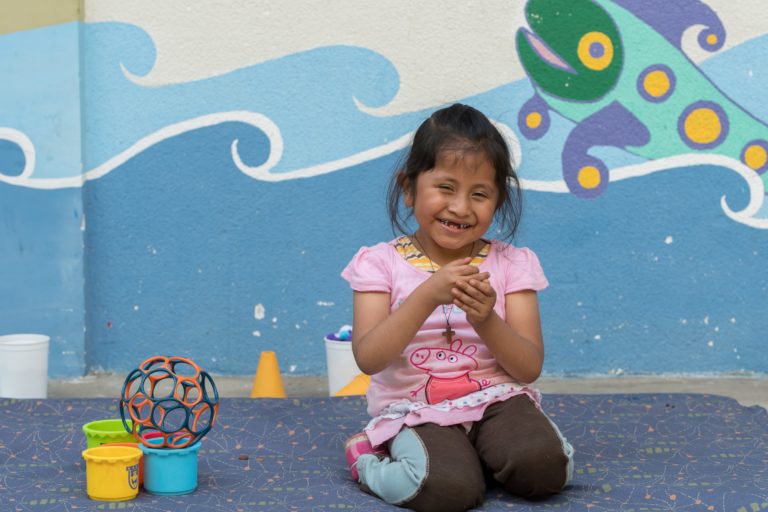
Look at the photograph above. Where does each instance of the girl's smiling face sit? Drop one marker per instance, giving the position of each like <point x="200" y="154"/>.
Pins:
<point x="453" y="204"/>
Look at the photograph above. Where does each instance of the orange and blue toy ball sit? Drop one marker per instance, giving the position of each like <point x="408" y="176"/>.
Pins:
<point x="171" y="402"/>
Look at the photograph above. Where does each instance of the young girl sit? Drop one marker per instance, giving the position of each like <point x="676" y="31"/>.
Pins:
<point x="447" y="325"/>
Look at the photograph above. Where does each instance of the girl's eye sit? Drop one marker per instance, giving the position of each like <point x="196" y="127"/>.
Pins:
<point x="481" y="195"/>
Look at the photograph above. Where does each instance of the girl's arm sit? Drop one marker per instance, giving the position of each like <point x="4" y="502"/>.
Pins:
<point x="517" y="342"/>
<point x="379" y="337"/>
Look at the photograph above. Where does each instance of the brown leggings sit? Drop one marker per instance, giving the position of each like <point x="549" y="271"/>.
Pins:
<point x="514" y="443"/>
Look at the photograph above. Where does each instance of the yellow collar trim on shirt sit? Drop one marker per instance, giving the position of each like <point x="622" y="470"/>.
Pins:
<point x="404" y="246"/>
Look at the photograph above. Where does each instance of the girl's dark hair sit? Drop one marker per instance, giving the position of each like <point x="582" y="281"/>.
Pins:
<point x="457" y="128"/>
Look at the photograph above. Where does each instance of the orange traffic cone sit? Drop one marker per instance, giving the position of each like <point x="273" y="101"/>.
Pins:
<point x="357" y="386"/>
<point x="267" y="383"/>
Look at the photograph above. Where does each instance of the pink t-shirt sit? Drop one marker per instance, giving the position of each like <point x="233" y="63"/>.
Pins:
<point x="433" y="381"/>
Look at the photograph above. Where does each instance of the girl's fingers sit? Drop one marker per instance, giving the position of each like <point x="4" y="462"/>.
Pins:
<point x="458" y="263"/>
<point x="484" y="286"/>
<point x="462" y="296"/>
<point x="478" y="289"/>
<point x="464" y="306"/>
<point x="468" y="270"/>
<point x="469" y="304"/>
<point x="470" y="291"/>
<point x="465" y="278"/>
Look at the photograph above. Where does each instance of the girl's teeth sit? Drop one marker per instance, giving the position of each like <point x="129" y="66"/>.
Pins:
<point x="460" y="226"/>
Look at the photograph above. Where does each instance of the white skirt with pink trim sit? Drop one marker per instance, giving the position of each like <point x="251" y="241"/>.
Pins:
<point x="466" y="409"/>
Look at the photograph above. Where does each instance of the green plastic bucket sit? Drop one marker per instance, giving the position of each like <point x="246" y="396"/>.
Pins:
<point x="107" y="431"/>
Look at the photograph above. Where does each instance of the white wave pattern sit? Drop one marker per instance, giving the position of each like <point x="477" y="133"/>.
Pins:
<point x="25" y="179"/>
<point x="754" y="182"/>
<point x="20" y="139"/>
<point x="263" y="172"/>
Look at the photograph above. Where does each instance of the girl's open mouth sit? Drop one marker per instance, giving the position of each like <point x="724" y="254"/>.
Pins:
<point x="454" y="225"/>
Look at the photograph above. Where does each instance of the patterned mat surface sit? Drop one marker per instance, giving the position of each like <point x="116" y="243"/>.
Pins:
<point x="633" y="453"/>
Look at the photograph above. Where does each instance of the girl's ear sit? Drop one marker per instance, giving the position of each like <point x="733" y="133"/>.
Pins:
<point x="407" y="197"/>
<point x="405" y="184"/>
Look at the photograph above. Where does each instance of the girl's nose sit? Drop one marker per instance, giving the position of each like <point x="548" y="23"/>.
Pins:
<point x="459" y="205"/>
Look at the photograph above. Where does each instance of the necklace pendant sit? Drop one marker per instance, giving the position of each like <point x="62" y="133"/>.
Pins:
<point x="448" y="333"/>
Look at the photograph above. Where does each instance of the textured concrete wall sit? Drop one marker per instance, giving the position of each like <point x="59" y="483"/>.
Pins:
<point x="235" y="156"/>
<point x="41" y="224"/>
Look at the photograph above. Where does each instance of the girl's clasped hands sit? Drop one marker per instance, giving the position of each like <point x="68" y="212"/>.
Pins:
<point x="463" y="285"/>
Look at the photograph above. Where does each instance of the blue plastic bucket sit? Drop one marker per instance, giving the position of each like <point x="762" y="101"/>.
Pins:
<point x="170" y="471"/>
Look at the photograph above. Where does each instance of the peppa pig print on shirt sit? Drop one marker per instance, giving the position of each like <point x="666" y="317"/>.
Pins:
<point x="448" y="370"/>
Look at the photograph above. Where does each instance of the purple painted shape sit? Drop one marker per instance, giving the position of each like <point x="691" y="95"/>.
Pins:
<point x="757" y="142"/>
<point x="535" y="104"/>
<point x="613" y="126"/>
<point x="722" y="116"/>
<point x="596" y="50"/>
<point x="671" y="19"/>
<point x="656" y="67"/>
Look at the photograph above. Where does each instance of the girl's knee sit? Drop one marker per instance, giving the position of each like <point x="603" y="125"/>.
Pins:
<point x="533" y="459"/>
<point x="537" y="473"/>
<point x="446" y="491"/>
<point x="414" y="483"/>
<point x="453" y="477"/>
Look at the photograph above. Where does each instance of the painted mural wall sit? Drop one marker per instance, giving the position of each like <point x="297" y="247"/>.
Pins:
<point x="191" y="181"/>
<point x="42" y="222"/>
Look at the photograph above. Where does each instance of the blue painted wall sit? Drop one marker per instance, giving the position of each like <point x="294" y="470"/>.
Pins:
<point x="41" y="228"/>
<point x="218" y="199"/>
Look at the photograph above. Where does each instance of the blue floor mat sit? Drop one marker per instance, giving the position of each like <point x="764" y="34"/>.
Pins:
<point x="633" y="452"/>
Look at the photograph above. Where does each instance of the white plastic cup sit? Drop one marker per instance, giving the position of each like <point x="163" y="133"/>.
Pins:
<point x="24" y="366"/>
<point x="341" y="364"/>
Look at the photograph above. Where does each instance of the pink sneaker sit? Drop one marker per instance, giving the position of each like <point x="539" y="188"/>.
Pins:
<point x="356" y="446"/>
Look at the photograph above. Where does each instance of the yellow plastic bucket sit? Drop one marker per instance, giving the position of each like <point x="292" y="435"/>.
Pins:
<point x="112" y="472"/>
<point x="141" y="461"/>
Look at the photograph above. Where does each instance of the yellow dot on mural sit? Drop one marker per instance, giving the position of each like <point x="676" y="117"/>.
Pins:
<point x="656" y="83"/>
<point x="712" y="39"/>
<point x="595" y="50"/>
<point x="533" y="120"/>
<point x="755" y="156"/>
<point x="703" y="126"/>
<point x="589" y="177"/>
